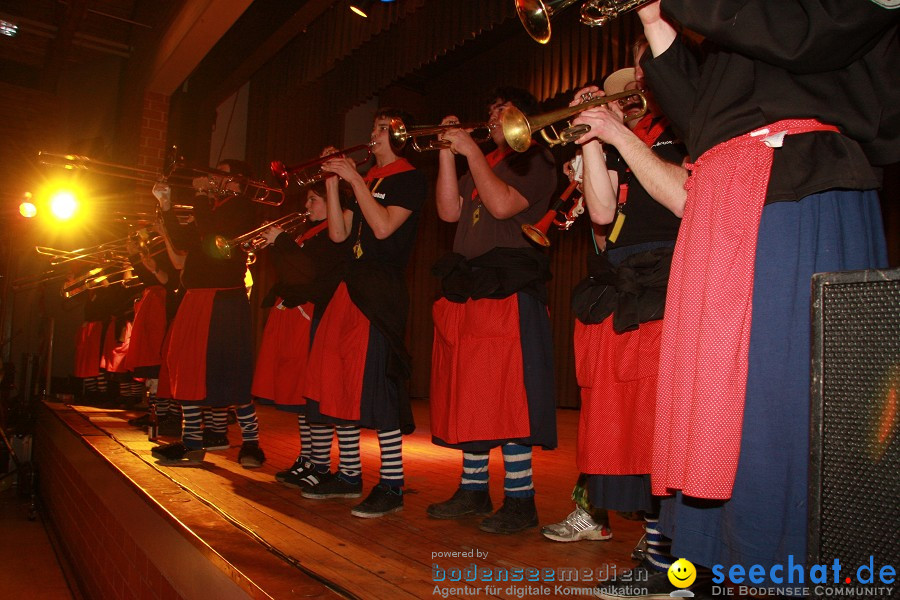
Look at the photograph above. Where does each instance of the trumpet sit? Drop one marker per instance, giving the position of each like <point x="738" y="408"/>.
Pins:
<point x="218" y="181"/>
<point x="311" y="171"/>
<point x="481" y="132"/>
<point x="535" y="15"/>
<point x="518" y="129"/>
<point x="100" y="277"/>
<point x="563" y="219"/>
<point x="253" y="240"/>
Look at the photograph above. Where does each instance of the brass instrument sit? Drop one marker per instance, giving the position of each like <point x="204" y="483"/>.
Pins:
<point x="311" y="171"/>
<point x="253" y="240"/>
<point x="400" y="134"/>
<point x="100" y="277"/>
<point x="218" y="180"/>
<point x="536" y="14"/>
<point x="518" y="129"/>
<point x="563" y="219"/>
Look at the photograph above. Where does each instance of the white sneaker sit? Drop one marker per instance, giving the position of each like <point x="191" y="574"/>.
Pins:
<point x="579" y="525"/>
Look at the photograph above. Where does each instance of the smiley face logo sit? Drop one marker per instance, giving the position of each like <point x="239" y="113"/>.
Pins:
<point x="682" y="573"/>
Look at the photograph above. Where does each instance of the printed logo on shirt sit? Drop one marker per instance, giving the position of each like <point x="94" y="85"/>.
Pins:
<point x="378" y="195"/>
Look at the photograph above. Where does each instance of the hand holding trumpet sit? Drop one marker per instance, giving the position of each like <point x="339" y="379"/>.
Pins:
<point x="270" y="234"/>
<point x="343" y="167"/>
<point x="460" y="140"/>
<point x="606" y="121"/>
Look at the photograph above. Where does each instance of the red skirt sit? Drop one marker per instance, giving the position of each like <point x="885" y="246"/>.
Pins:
<point x="338" y="357"/>
<point x="149" y="329"/>
<point x="617" y="376"/>
<point x="87" y="349"/>
<point x="281" y="362"/>
<point x="186" y="358"/>
<point x="114" y="351"/>
<point x="477" y="382"/>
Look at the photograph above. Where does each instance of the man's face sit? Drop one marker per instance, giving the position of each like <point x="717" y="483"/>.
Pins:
<point x="380" y="135"/>
<point x="315" y="204"/>
<point x="495" y="114"/>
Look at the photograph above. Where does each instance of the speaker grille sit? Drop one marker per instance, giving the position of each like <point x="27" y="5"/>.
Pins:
<point x="855" y="460"/>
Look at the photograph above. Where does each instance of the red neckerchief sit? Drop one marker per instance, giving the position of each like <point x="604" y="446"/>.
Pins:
<point x="400" y="165"/>
<point x="311" y="232"/>
<point x="493" y="158"/>
<point x="649" y="129"/>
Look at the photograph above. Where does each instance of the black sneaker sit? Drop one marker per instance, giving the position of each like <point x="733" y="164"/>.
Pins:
<point x="177" y="454"/>
<point x="142" y="422"/>
<point x="382" y="500"/>
<point x="303" y="475"/>
<point x="251" y="455"/>
<point x="462" y="504"/>
<point x="213" y="440"/>
<point x="333" y="486"/>
<point x="515" y="515"/>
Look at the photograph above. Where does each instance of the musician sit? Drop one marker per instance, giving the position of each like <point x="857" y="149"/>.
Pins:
<point x="307" y="267"/>
<point x="89" y="346"/>
<point x="492" y="366"/>
<point x="782" y="131"/>
<point x="637" y="188"/>
<point x="358" y="350"/>
<point x="210" y="354"/>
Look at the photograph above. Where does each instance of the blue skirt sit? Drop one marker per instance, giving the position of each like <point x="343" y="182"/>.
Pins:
<point x="765" y="520"/>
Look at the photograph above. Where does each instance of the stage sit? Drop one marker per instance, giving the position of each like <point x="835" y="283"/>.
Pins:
<point x="133" y="529"/>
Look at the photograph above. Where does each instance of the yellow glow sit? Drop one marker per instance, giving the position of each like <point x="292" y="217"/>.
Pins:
<point x="27" y="209"/>
<point x="63" y="205"/>
<point x="359" y="11"/>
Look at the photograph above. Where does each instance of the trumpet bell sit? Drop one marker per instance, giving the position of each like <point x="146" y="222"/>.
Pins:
<point x="535" y="16"/>
<point x="516" y="128"/>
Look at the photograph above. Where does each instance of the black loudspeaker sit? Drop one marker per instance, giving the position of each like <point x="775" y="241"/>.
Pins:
<point x="855" y="423"/>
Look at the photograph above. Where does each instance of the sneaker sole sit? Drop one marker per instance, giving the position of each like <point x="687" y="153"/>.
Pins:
<point x="593" y="537"/>
<point x="489" y="529"/>
<point x="367" y="515"/>
<point x="474" y="513"/>
<point x="191" y="458"/>
<point x="314" y="496"/>
<point x="222" y="447"/>
<point x="250" y="465"/>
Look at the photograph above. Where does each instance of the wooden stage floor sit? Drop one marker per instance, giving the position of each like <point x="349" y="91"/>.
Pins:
<point x="403" y="555"/>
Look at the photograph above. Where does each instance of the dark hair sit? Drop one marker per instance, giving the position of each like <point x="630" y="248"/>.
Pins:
<point x="344" y="192"/>
<point x="390" y="112"/>
<point x="237" y="167"/>
<point x="521" y="99"/>
<point x="639" y="42"/>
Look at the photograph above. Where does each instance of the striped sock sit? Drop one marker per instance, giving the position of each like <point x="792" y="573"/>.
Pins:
<point x="101" y="383"/>
<point x="191" y="432"/>
<point x="305" y="438"/>
<point x="217" y="420"/>
<point x="517" y="462"/>
<point x="475" y="471"/>
<point x="90" y="384"/>
<point x="162" y="406"/>
<point x="348" y="447"/>
<point x="659" y="547"/>
<point x="246" y="416"/>
<point x="391" y="444"/>
<point x="322" y="435"/>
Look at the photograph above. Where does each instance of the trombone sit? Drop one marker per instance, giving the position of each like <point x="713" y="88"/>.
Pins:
<point x="535" y="15"/>
<point x="481" y="132"/>
<point x="253" y="240"/>
<point x="518" y="129"/>
<point x="311" y="171"/>
<point x="219" y="180"/>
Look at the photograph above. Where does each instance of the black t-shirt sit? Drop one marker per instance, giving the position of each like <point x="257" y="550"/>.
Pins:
<point x="646" y="219"/>
<point x="406" y="189"/>
<point x="533" y="174"/>
<point x="833" y="60"/>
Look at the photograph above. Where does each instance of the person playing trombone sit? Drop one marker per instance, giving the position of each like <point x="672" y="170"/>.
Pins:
<point x="358" y="353"/>
<point x="492" y="378"/>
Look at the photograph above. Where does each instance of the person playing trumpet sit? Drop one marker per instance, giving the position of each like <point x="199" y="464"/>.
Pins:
<point x="358" y="353"/>
<point x="492" y="378"/>
<point x="307" y="267"/>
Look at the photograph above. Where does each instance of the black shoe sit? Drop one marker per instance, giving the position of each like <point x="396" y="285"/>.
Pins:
<point x="251" y="455"/>
<point x="382" y="500"/>
<point x="213" y="440"/>
<point x="462" y="504"/>
<point x="646" y="582"/>
<point x="177" y="454"/>
<point x="302" y="475"/>
<point x="142" y="422"/>
<point x="515" y="515"/>
<point x="333" y="486"/>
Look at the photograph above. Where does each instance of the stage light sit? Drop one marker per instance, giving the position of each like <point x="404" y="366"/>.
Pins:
<point x="360" y="8"/>
<point x="63" y="205"/>
<point x="27" y="208"/>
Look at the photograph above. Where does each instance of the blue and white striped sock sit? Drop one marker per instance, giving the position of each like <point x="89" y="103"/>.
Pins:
<point x="191" y="431"/>
<point x="517" y="463"/>
<point x="391" y="444"/>
<point x="475" y="471"/>
<point x="659" y="547"/>
<point x="246" y="416"/>
<point x="321" y="435"/>
<point x="305" y="438"/>
<point x="217" y="420"/>
<point x="348" y="446"/>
